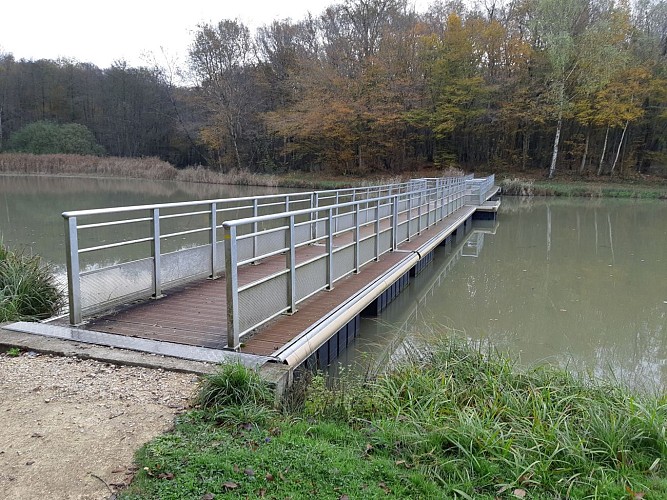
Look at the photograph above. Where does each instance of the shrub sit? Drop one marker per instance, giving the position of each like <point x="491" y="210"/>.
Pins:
<point x="45" y="137"/>
<point x="28" y="289"/>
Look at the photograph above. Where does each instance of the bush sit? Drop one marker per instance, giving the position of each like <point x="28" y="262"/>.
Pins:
<point x="233" y="384"/>
<point x="28" y="289"/>
<point x="45" y="137"/>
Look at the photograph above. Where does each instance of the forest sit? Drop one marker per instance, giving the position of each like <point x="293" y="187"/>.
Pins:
<point x="372" y="86"/>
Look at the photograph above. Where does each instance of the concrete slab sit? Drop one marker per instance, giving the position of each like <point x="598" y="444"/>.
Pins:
<point x="117" y="349"/>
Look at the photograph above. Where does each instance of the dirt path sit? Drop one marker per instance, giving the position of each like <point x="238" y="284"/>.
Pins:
<point x="69" y="428"/>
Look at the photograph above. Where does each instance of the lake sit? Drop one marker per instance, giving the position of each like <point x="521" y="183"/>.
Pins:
<point x="581" y="283"/>
<point x="577" y="282"/>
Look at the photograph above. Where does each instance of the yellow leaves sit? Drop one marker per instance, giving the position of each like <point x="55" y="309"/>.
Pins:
<point x="621" y="100"/>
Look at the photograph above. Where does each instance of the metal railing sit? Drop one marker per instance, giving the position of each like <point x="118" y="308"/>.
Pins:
<point x="322" y="245"/>
<point x="478" y="189"/>
<point x="116" y="255"/>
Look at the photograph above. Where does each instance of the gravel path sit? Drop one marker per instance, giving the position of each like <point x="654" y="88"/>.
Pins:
<point x="70" y="427"/>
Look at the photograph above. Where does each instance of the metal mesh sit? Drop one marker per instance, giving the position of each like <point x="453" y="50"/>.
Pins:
<point x="220" y="267"/>
<point x="424" y="220"/>
<point x="385" y="210"/>
<point x="367" y="251"/>
<point x="262" y="301"/>
<point x="385" y="241"/>
<point x="310" y="278"/>
<point x="343" y="262"/>
<point x="270" y="242"/>
<point x="345" y="222"/>
<point x="113" y="285"/>
<point x="402" y="231"/>
<point x="302" y="233"/>
<point x="366" y="214"/>
<point x="244" y="249"/>
<point x="187" y="263"/>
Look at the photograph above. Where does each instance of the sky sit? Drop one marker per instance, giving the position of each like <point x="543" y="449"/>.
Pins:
<point x="136" y="31"/>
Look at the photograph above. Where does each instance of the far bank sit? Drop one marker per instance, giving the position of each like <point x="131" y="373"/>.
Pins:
<point x="534" y="184"/>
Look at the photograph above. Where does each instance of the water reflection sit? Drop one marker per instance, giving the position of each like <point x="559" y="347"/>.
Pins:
<point x="579" y="283"/>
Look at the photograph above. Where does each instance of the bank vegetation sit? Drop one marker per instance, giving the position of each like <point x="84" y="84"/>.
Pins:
<point x="456" y="422"/>
<point x="28" y="289"/>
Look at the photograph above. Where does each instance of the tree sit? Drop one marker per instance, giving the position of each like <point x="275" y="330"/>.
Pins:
<point x="220" y="58"/>
<point x="559" y="24"/>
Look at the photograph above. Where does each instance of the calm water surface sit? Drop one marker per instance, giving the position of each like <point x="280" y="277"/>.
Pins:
<point x="581" y="283"/>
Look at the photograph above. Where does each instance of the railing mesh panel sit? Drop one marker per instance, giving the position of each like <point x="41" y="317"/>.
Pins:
<point x="385" y="241"/>
<point x="187" y="263"/>
<point x="262" y="301"/>
<point x="343" y="262"/>
<point x="270" y="242"/>
<point x="109" y="286"/>
<point x="367" y="251"/>
<point x="402" y="231"/>
<point x="310" y="278"/>
<point x="302" y="233"/>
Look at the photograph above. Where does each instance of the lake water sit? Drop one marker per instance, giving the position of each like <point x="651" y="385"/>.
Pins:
<point x="577" y="282"/>
<point x="31" y="206"/>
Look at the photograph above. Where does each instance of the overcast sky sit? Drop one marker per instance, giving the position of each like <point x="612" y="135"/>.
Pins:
<point x="103" y="32"/>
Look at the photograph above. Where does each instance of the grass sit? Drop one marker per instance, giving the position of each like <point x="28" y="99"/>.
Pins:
<point x="28" y="290"/>
<point x="455" y="423"/>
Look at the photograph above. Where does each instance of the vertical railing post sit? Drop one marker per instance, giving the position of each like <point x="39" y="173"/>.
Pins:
<point x="394" y="222"/>
<point x="336" y="219"/>
<point x="377" y="230"/>
<point x="314" y="200"/>
<point x="232" y="282"/>
<point x="156" y="254"/>
<point x="286" y="203"/>
<point x="255" y="213"/>
<point x="428" y="206"/>
<point x="291" y="265"/>
<point x="356" y="238"/>
<point x="73" y="268"/>
<point x="213" y="224"/>
<point x="329" y="231"/>
<point x="409" y="212"/>
<point x="419" y="212"/>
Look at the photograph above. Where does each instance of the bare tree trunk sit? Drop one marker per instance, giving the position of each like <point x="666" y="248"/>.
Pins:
<point x="554" y="156"/>
<point x="604" y="148"/>
<point x="584" y="158"/>
<point x="620" y="144"/>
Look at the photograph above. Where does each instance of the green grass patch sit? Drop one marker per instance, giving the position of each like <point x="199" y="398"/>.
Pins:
<point x="456" y="423"/>
<point x="28" y="289"/>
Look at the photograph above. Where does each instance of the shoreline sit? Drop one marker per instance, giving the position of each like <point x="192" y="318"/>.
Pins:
<point x="74" y="166"/>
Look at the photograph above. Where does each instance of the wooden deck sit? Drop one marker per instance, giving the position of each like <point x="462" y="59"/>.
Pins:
<point x="196" y="314"/>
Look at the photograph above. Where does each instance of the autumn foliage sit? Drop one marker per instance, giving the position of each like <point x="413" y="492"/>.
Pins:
<point x="372" y="86"/>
